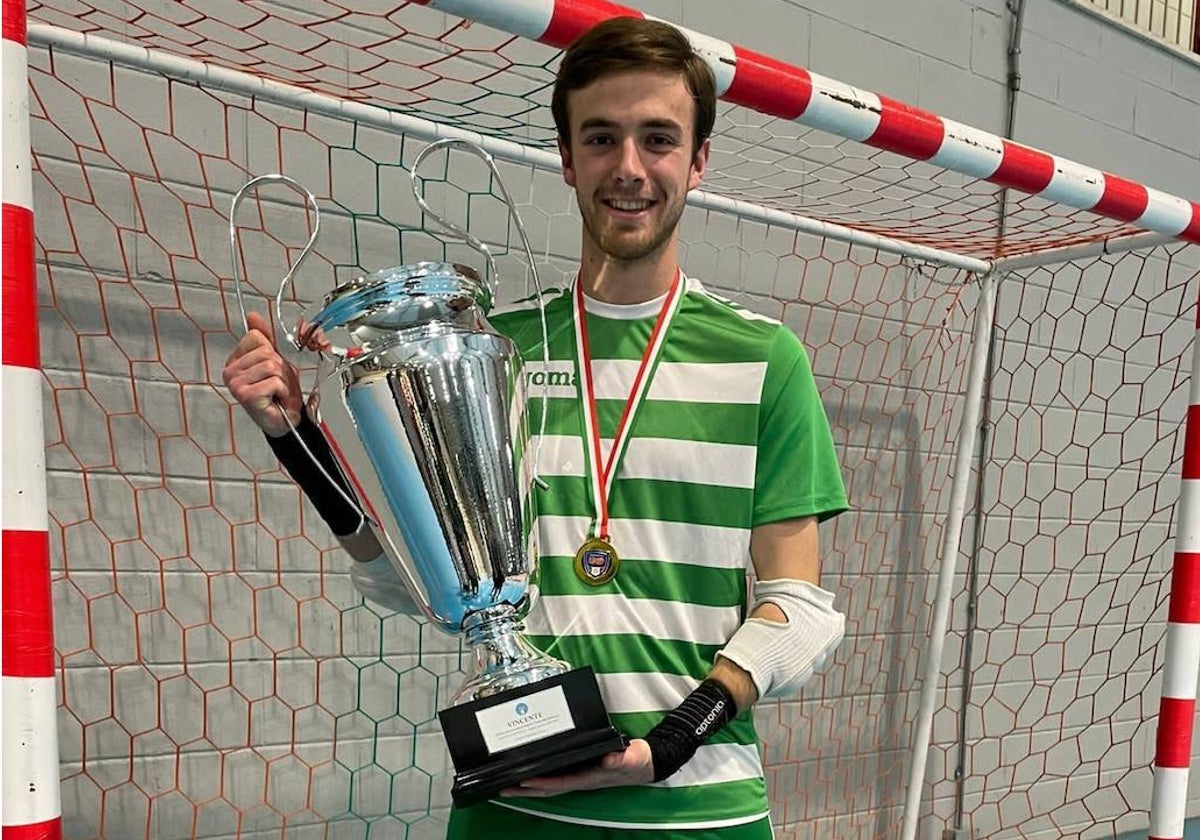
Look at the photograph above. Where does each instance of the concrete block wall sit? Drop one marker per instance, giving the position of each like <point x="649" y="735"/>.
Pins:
<point x="220" y="678"/>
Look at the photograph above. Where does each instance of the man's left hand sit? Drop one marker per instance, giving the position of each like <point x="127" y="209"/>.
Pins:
<point x="633" y="766"/>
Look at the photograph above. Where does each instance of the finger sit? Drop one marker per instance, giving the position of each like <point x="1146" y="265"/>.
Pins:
<point x="258" y="380"/>
<point x="248" y="388"/>
<point x="257" y="354"/>
<point x="311" y="337"/>
<point x="613" y="761"/>
<point x="319" y="340"/>
<point x="543" y="792"/>
<point x="268" y="414"/>
<point x="539" y="782"/>
<point x="529" y="793"/>
<point x="260" y="393"/>
<point x="255" y="367"/>
<point x="258" y="322"/>
<point x="246" y="344"/>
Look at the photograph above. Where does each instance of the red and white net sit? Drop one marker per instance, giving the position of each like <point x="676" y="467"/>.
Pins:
<point x="220" y="676"/>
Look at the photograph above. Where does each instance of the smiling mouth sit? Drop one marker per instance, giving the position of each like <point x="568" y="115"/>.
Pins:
<point x="628" y="205"/>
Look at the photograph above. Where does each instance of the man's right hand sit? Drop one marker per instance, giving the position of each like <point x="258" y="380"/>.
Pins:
<point x="263" y="381"/>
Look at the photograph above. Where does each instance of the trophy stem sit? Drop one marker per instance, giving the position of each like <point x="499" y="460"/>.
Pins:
<point x="503" y="658"/>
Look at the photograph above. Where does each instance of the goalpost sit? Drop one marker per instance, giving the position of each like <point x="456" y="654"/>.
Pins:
<point x="212" y="672"/>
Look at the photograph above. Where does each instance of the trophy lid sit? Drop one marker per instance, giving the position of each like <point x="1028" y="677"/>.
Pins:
<point x="405" y="296"/>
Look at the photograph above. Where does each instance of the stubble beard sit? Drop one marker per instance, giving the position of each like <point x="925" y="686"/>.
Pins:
<point x="619" y="245"/>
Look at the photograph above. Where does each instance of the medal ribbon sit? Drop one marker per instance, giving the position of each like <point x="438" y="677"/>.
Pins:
<point x="603" y="472"/>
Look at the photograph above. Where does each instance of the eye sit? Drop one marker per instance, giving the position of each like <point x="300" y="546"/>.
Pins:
<point x="661" y="140"/>
<point x="597" y="140"/>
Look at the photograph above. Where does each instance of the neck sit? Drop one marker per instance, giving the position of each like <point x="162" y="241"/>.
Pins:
<point x="627" y="281"/>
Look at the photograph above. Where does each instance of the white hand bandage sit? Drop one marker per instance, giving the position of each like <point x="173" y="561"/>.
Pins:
<point x="780" y="655"/>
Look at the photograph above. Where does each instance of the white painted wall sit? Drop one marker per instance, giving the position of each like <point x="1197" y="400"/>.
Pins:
<point x="220" y="677"/>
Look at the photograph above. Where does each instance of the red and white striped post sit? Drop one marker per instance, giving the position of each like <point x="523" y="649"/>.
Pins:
<point x="1177" y="704"/>
<point x="31" y="804"/>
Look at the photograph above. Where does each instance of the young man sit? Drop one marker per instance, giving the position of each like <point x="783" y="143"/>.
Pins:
<point x="693" y="437"/>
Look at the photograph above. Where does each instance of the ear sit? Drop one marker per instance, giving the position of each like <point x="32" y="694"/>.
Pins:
<point x="699" y="165"/>
<point x="568" y="170"/>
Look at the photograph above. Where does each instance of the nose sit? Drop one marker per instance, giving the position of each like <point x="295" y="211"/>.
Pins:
<point x="630" y="169"/>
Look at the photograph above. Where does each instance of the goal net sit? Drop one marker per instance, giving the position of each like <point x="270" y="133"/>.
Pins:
<point x="219" y="675"/>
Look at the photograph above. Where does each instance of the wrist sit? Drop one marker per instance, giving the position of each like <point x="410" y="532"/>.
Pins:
<point x="682" y="730"/>
<point x="737" y="680"/>
<point x="277" y="421"/>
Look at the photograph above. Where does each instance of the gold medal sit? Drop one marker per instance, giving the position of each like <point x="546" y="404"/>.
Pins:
<point x="596" y="562"/>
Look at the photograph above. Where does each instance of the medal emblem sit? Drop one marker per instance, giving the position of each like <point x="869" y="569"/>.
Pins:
<point x="596" y="562"/>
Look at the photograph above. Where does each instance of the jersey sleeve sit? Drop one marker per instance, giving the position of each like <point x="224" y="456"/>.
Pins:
<point x="797" y="472"/>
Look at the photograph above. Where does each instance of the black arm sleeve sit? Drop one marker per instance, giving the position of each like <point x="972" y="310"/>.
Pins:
<point x="677" y="736"/>
<point x="342" y="517"/>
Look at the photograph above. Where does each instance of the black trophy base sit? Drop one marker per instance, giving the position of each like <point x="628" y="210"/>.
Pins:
<point x="553" y="726"/>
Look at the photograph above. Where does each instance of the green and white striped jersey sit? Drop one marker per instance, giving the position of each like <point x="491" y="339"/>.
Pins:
<point x="731" y="434"/>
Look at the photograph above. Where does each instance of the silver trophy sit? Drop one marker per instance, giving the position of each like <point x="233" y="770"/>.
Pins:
<point x="430" y="428"/>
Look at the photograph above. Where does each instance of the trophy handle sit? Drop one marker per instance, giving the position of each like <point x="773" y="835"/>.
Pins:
<point x="253" y="183"/>
<point x="493" y="279"/>
<point x="479" y="245"/>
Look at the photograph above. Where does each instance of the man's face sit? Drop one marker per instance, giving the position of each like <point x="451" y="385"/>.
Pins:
<point x="632" y="161"/>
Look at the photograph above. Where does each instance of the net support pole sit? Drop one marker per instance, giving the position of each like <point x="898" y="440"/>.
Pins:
<point x="791" y="92"/>
<point x="31" y="799"/>
<point x="964" y="452"/>
<point x="1177" y="703"/>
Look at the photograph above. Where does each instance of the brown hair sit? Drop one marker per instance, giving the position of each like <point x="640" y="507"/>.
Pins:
<point x="624" y="44"/>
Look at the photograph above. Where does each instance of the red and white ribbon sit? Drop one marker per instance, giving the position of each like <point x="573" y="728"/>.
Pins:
<point x="602" y="471"/>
